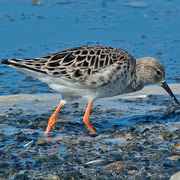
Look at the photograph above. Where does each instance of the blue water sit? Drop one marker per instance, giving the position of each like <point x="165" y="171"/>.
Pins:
<point x="148" y="28"/>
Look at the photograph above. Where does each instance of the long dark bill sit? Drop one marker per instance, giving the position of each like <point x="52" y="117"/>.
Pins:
<point x="166" y="87"/>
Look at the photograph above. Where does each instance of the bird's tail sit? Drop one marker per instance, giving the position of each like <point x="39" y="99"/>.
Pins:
<point x="29" y="64"/>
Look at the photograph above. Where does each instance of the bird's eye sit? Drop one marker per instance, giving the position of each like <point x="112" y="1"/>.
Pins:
<point x="158" y="72"/>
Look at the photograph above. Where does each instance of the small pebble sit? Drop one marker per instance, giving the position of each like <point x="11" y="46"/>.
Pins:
<point x="41" y="142"/>
<point x="117" y="165"/>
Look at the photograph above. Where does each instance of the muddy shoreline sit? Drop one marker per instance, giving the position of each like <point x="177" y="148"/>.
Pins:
<point x="129" y="145"/>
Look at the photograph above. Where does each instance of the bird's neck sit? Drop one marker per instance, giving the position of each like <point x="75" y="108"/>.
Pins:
<point x="139" y="81"/>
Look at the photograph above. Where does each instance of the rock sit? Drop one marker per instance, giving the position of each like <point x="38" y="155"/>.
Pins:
<point x="116" y="165"/>
<point x="175" y="176"/>
<point x="53" y="177"/>
<point x="41" y="142"/>
<point x="174" y="157"/>
<point x="4" y="164"/>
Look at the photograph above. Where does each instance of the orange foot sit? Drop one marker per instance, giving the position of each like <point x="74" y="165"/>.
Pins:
<point x="86" y="118"/>
<point x="52" y="120"/>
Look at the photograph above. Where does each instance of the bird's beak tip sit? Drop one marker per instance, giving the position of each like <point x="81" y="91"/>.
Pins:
<point x="166" y="87"/>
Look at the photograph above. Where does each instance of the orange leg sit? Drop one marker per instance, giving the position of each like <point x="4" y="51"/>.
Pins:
<point x="52" y="120"/>
<point x="86" y="118"/>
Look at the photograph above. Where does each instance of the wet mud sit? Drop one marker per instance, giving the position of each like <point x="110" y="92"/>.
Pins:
<point x="127" y="146"/>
